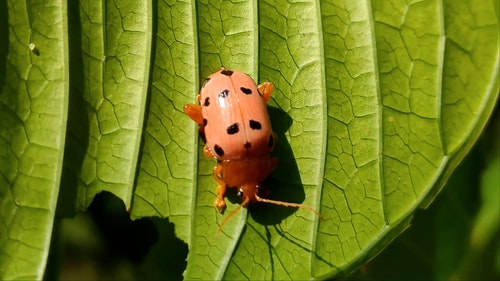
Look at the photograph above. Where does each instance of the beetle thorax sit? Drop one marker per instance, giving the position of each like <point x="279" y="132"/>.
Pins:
<point x="247" y="173"/>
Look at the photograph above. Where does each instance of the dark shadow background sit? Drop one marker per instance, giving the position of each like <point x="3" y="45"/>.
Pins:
<point x="104" y="243"/>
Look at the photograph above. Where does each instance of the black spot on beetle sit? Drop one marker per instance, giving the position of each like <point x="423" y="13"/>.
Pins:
<point x="205" y="122"/>
<point x="224" y="93"/>
<point x="247" y="145"/>
<point x="233" y="129"/>
<point x="255" y="125"/>
<point x="207" y="101"/>
<point x="246" y="90"/>
<point x="205" y="82"/>
<point x="271" y="141"/>
<point x="227" y="72"/>
<point x="219" y="150"/>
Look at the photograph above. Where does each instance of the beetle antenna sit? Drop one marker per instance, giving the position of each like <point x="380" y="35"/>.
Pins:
<point x="288" y="204"/>
<point x="226" y="219"/>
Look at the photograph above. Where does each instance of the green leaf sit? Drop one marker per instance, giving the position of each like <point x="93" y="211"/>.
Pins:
<point x="375" y="104"/>
<point x="33" y="112"/>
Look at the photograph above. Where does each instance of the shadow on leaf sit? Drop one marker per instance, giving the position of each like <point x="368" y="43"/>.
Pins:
<point x="284" y="183"/>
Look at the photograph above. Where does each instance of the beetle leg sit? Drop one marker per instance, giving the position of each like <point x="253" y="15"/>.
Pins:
<point x="220" y="203"/>
<point x="207" y="152"/>
<point x="266" y="89"/>
<point x="194" y="112"/>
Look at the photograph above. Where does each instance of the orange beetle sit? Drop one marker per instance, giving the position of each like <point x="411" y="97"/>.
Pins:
<point x="233" y="120"/>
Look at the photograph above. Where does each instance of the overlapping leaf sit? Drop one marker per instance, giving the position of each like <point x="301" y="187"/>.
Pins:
<point x="33" y="110"/>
